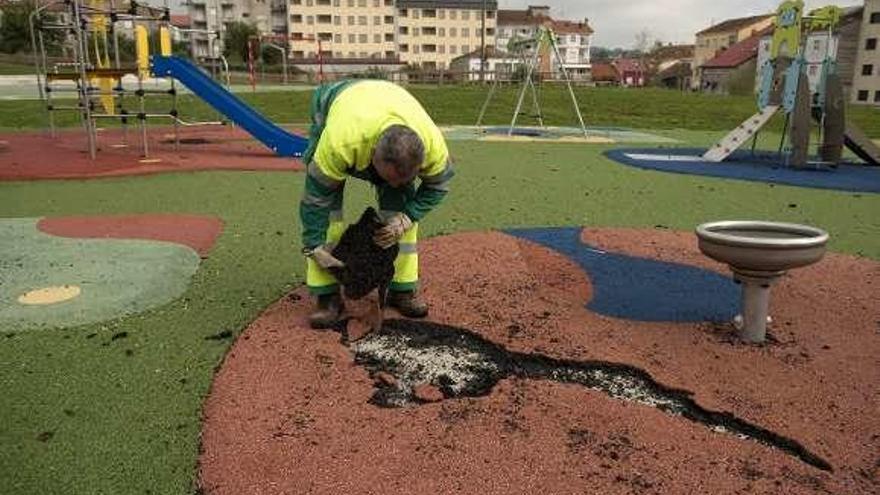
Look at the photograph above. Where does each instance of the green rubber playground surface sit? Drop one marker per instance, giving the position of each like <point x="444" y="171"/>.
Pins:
<point x="111" y="278"/>
<point x="554" y="134"/>
<point x="114" y="406"/>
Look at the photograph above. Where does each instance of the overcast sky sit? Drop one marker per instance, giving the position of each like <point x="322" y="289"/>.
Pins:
<point x="616" y="22"/>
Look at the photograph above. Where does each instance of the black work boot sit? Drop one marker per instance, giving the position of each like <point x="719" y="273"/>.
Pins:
<point x="327" y="311"/>
<point x="408" y="304"/>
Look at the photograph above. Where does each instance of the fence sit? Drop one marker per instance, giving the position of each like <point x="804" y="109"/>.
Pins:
<point x="273" y="74"/>
<point x="428" y="77"/>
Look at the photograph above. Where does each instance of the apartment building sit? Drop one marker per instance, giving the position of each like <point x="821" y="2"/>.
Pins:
<point x="425" y="33"/>
<point x="717" y="38"/>
<point x="866" y="77"/>
<point x="573" y="38"/>
<point x="279" y="18"/>
<point x="734" y="69"/>
<point x="342" y="29"/>
<point x="432" y="33"/>
<point x="214" y="15"/>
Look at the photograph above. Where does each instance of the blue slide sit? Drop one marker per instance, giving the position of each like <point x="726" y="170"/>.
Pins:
<point x="277" y="139"/>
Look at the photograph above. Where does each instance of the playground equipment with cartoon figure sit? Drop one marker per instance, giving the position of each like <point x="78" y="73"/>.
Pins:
<point x="784" y="86"/>
<point x="98" y="81"/>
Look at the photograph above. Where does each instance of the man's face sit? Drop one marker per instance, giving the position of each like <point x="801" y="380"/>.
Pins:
<point x="391" y="175"/>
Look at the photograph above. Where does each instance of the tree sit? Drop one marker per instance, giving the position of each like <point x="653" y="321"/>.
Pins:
<point x="600" y="53"/>
<point x="180" y="49"/>
<point x="15" y="34"/>
<point x="14" y="31"/>
<point x="127" y="48"/>
<point x="236" y="41"/>
<point x="603" y="54"/>
<point x="643" y="41"/>
<point x="270" y="55"/>
<point x="372" y="72"/>
<point x="643" y="44"/>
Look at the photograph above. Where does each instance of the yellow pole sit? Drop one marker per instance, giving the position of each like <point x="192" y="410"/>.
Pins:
<point x="102" y="59"/>
<point x="142" y="47"/>
<point x="164" y="41"/>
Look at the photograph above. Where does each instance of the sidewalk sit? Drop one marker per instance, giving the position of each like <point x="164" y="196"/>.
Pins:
<point x="24" y="87"/>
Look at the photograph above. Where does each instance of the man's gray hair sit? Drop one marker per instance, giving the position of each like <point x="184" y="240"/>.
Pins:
<point x="402" y="148"/>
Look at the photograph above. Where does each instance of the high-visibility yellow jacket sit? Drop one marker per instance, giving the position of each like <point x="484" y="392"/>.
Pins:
<point x="353" y="120"/>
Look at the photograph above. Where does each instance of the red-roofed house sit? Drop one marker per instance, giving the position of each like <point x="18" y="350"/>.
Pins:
<point x="180" y="24"/>
<point x="181" y="21"/>
<point x="630" y="71"/>
<point x="604" y="74"/>
<point x="574" y="38"/>
<point x="718" y="37"/>
<point x="733" y="69"/>
<point x="675" y="76"/>
<point x="670" y="66"/>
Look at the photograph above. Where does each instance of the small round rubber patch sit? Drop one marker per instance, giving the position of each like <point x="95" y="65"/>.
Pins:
<point x="50" y="295"/>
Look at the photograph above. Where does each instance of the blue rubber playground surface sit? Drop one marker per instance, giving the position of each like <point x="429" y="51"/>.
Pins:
<point x="642" y="289"/>
<point x="743" y="165"/>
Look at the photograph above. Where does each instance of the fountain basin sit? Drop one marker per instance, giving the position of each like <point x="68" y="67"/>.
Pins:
<point x="753" y="247"/>
<point x="758" y="253"/>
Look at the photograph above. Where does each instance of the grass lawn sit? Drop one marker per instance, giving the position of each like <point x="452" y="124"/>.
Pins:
<point x="641" y="109"/>
<point x="128" y="422"/>
<point x="13" y="69"/>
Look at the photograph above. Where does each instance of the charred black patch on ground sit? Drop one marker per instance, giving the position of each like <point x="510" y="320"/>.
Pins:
<point x="462" y="364"/>
<point x="192" y="140"/>
<point x="222" y="335"/>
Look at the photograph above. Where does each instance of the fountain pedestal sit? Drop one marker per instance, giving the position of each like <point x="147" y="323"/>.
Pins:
<point x="759" y="253"/>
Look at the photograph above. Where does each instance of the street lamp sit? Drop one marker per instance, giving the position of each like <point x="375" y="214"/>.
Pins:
<point x="283" y="57"/>
<point x="483" y="43"/>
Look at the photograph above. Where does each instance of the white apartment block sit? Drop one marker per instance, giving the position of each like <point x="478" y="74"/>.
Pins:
<point x="214" y="15"/>
<point x="498" y="65"/>
<point x="432" y="33"/>
<point x="866" y="77"/>
<point x="426" y="33"/>
<point x="341" y="29"/>
<point x="278" y="16"/>
<point x="574" y="38"/>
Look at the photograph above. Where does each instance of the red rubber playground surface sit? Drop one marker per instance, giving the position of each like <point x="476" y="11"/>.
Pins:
<point x="489" y="397"/>
<point x="35" y="156"/>
<point x="196" y="231"/>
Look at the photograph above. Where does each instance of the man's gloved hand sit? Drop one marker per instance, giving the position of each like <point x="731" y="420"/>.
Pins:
<point x="323" y="257"/>
<point x="393" y="230"/>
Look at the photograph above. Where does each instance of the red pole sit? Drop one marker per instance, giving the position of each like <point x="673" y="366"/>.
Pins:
<point x="251" y="65"/>
<point x="320" y="62"/>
